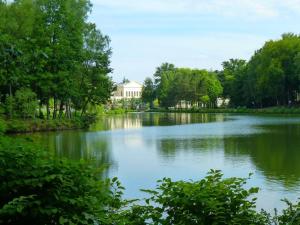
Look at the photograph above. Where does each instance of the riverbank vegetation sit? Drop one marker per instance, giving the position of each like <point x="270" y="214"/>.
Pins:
<point x="54" y="64"/>
<point x="38" y="187"/>
<point x="239" y="110"/>
<point x="271" y="78"/>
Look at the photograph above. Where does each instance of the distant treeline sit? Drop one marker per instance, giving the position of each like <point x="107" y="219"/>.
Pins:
<point x="270" y="78"/>
<point x="51" y="57"/>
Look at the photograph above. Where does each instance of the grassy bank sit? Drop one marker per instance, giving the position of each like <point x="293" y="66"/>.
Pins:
<point x="11" y="126"/>
<point x="273" y="110"/>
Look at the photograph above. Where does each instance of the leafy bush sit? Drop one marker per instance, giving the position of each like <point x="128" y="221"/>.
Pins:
<point x="26" y="103"/>
<point x="36" y="188"/>
<point x="2" y="126"/>
<point x="9" y="106"/>
<point x="212" y="200"/>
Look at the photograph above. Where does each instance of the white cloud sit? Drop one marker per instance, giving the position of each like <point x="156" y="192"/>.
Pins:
<point x="249" y="8"/>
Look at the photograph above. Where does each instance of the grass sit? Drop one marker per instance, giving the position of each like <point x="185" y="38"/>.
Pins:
<point x="11" y="126"/>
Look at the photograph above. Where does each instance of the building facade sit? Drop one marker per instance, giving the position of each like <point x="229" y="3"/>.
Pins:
<point x="131" y="89"/>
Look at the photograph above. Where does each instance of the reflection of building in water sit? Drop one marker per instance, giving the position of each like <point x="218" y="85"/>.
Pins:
<point x="181" y="118"/>
<point x="125" y="122"/>
<point x="186" y="118"/>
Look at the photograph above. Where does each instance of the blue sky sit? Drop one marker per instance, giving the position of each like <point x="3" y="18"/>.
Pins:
<point x="189" y="33"/>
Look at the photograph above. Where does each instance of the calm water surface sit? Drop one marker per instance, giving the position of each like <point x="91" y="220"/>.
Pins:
<point x="144" y="147"/>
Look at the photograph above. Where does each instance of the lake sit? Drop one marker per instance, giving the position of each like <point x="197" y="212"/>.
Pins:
<point x="144" y="147"/>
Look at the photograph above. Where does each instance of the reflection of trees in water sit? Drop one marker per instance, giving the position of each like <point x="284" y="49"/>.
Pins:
<point x="172" y="147"/>
<point x="167" y="119"/>
<point x="77" y="145"/>
<point x="276" y="152"/>
<point x="137" y="120"/>
<point x="126" y="121"/>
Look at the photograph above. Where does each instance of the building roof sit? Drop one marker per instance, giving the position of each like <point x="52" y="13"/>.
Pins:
<point x="132" y="84"/>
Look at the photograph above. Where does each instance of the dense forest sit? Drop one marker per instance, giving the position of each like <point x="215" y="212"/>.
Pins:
<point x="270" y="78"/>
<point x="51" y="58"/>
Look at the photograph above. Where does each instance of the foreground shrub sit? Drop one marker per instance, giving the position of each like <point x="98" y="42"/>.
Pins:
<point x="212" y="200"/>
<point x="2" y="126"/>
<point x="37" y="189"/>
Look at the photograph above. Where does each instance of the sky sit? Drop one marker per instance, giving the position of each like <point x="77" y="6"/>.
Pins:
<point x="189" y="33"/>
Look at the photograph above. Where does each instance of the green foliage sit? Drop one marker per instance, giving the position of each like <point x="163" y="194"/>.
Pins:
<point x="9" y="106"/>
<point x="290" y="216"/>
<point x="2" y="126"/>
<point x="26" y="103"/>
<point x="116" y="111"/>
<point x="148" y="92"/>
<point x="50" y="48"/>
<point x="270" y="78"/>
<point x="181" y="84"/>
<point x="38" y="188"/>
<point x="232" y="78"/>
<point x="239" y="110"/>
<point x="212" y="200"/>
<point x="37" y="125"/>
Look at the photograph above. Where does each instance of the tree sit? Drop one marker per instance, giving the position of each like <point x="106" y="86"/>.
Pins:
<point x="165" y="67"/>
<point x="148" y="92"/>
<point x="51" y="48"/>
<point x="272" y="75"/>
<point x="231" y="76"/>
<point x="26" y="103"/>
<point x="189" y="85"/>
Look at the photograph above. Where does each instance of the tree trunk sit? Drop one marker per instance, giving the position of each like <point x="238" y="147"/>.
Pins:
<point x="61" y="109"/>
<point x="55" y="109"/>
<point x="84" y="107"/>
<point x="40" y="111"/>
<point x="48" y="109"/>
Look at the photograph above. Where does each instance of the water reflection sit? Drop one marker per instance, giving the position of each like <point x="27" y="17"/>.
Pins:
<point x="138" y="120"/>
<point x="275" y="152"/>
<point x="76" y="145"/>
<point x="144" y="147"/>
<point x="169" y="148"/>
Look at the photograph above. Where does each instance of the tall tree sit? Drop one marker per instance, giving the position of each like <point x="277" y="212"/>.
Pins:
<point x="148" y="92"/>
<point x="49" y="47"/>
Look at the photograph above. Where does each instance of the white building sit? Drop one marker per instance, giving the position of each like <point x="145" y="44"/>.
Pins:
<point x="131" y="89"/>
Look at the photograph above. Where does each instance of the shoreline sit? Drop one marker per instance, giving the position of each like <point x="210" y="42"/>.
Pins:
<point x="275" y="111"/>
<point x="19" y="126"/>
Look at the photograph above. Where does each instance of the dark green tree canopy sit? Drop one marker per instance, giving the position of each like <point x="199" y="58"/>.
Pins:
<point x="52" y="49"/>
<point x="183" y="84"/>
